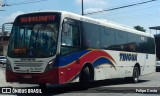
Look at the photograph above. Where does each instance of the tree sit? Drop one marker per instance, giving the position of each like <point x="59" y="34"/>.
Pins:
<point x="139" y="28"/>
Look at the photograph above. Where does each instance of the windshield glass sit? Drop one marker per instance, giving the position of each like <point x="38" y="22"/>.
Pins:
<point x="34" y="35"/>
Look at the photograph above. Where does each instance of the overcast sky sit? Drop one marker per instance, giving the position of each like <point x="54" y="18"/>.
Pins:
<point x="145" y="15"/>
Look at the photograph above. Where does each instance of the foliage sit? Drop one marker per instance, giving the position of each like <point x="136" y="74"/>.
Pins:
<point x="139" y="28"/>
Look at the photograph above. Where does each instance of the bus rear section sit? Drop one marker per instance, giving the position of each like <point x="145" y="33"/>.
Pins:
<point x="157" y="39"/>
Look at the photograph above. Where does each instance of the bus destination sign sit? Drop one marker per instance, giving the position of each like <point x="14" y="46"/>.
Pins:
<point x="37" y="18"/>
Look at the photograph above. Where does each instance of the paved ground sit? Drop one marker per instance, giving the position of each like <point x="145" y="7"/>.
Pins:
<point x="3" y="82"/>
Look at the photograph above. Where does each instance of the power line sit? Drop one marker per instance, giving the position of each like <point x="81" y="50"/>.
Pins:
<point x="142" y="16"/>
<point x="130" y="5"/>
<point x="27" y="2"/>
<point x="140" y="9"/>
<point x="4" y="3"/>
<point x="21" y="3"/>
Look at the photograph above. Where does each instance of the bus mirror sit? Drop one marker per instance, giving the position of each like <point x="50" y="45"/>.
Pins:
<point x="65" y="26"/>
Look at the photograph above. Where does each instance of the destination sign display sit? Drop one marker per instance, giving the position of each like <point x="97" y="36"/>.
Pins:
<point x="19" y="50"/>
<point x="29" y="19"/>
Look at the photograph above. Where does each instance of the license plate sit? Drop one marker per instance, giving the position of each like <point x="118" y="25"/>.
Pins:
<point x="27" y="76"/>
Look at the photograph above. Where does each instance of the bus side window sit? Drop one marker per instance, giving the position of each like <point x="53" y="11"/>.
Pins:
<point x="67" y="36"/>
<point x="71" y="38"/>
<point x="70" y="41"/>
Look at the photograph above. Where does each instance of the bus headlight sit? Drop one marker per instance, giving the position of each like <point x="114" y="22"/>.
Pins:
<point x="49" y="65"/>
<point x="8" y="65"/>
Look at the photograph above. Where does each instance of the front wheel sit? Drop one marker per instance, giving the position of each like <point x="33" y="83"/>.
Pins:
<point x="85" y="78"/>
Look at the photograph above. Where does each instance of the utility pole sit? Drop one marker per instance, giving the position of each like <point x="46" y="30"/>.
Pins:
<point x="82" y="8"/>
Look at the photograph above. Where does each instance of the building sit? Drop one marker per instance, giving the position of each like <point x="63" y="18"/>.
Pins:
<point x="5" y="31"/>
<point x="4" y="45"/>
<point x="155" y="28"/>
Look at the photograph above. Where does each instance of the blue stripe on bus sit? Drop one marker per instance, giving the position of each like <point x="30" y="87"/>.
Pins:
<point x="65" y="60"/>
<point x="102" y="61"/>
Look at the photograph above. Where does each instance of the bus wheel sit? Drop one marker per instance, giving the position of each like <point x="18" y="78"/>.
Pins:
<point x="85" y="78"/>
<point x="135" y="77"/>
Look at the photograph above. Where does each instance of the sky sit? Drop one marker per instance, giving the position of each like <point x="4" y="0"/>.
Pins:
<point x="146" y="15"/>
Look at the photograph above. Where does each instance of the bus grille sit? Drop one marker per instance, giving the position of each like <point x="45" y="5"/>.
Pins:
<point x="28" y="64"/>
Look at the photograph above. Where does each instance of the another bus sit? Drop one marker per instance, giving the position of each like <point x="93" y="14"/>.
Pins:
<point x="157" y="39"/>
<point x="58" y="47"/>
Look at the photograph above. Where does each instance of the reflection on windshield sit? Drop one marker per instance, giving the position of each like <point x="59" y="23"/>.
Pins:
<point x="38" y="40"/>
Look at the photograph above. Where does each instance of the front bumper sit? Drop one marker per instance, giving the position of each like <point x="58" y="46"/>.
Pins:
<point x="36" y="78"/>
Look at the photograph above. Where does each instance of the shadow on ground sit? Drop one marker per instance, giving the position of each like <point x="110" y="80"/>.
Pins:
<point x="95" y="87"/>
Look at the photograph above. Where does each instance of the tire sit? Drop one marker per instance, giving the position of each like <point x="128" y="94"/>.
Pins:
<point x="135" y="77"/>
<point x="42" y="86"/>
<point x="157" y="69"/>
<point x="85" y="78"/>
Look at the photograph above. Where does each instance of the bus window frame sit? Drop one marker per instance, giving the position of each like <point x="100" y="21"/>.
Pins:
<point x="71" y="22"/>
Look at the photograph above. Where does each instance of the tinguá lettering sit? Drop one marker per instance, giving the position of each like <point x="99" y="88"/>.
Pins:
<point x="128" y="57"/>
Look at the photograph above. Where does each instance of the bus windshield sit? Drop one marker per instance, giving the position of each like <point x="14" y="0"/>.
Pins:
<point x="34" y="36"/>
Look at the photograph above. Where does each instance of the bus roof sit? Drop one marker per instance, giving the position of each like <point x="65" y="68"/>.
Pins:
<point x="102" y="22"/>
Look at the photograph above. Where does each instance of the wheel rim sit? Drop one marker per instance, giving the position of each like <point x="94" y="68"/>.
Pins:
<point x="136" y="75"/>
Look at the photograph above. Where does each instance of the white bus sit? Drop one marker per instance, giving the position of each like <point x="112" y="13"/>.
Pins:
<point x="59" y="47"/>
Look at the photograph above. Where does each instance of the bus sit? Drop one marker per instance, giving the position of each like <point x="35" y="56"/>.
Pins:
<point x="59" y="47"/>
<point x="157" y="39"/>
